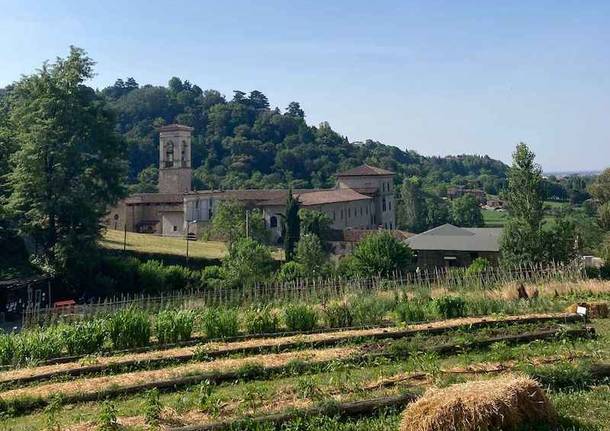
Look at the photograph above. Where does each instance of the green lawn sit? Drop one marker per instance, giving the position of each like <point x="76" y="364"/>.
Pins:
<point x="153" y="244"/>
<point x="494" y="218"/>
<point x="162" y="245"/>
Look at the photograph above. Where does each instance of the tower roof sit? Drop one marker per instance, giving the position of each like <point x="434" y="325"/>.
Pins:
<point x="175" y="128"/>
<point x="365" y="170"/>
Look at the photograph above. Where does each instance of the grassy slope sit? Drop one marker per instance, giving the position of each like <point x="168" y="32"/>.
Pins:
<point x="159" y="245"/>
<point x="145" y="243"/>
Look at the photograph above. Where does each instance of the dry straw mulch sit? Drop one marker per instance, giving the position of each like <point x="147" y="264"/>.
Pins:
<point x="503" y="403"/>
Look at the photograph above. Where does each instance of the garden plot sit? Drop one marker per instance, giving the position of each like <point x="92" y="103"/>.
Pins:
<point x="270" y="381"/>
<point x="216" y="349"/>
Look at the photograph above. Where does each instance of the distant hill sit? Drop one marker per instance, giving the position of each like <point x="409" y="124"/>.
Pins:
<point x="244" y="143"/>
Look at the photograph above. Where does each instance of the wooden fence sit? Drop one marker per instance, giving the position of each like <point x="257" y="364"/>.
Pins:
<point x="313" y="290"/>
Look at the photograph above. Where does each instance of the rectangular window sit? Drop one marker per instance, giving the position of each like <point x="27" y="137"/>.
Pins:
<point x="334" y="215"/>
<point x="349" y="213"/>
<point x="389" y="205"/>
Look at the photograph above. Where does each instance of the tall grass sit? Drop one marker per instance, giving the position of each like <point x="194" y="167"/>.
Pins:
<point x="129" y="328"/>
<point x="300" y="317"/>
<point x="84" y="338"/>
<point x="37" y="345"/>
<point x="7" y="348"/>
<point x="262" y="320"/>
<point x="173" y="326"/>
<point x="338" y="314"/>
<point x="221" y="322"/>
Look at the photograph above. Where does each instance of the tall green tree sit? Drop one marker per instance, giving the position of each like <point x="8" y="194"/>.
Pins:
<point x="69" y="165"/>
<point x="600" y="188"/>
<point x="412" y="212"/>
<point x="316" y="223"/>
<point x="311" y="255"/>
<point x="381" y="254"/>
<point x="292" y="225"/>
<point x="603" y="216"/>
<point x="465" y="212"/>
<point x="148" y="180"/>
<point x="521" y="240"/>
<point x="229" y="222"/>
<point x="248" y="262"/>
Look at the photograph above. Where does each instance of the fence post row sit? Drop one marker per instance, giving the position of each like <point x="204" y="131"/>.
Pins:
<point x="311" y="289"/>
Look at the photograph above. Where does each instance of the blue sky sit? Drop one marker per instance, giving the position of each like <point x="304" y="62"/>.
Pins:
<point x="439" y="77"/>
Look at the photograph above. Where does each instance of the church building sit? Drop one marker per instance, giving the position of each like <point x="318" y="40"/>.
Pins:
<point x="363" y="197"/>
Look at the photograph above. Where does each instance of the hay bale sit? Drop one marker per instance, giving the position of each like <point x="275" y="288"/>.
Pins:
<point x="595" y="310"/>
<point x="503" y="403"/>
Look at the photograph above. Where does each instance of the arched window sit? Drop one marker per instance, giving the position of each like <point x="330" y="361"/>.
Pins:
<point x="273" y="221"/>
<point x="183" y="155"/>
<point x="169" y="154"/>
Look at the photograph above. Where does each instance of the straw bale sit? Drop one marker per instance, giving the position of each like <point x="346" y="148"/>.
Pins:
<point x="595" y="310"/>
<point x="504" y="403"/>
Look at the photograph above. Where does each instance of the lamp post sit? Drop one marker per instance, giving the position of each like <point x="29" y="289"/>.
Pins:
<point x="188" y="225"/>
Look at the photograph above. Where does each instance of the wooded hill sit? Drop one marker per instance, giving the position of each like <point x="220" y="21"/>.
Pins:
<point x="244" y="143"/>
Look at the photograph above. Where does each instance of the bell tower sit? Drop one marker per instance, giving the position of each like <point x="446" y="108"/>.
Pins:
<point x="175" y="171"/>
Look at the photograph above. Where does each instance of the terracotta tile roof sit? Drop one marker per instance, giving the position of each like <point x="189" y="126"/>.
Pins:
<point x="330" y="196"/>
<point x="175" y="128"/>
<point x="369" y="191"/>
<point x="144" y="198"/>
<point x="365" y="170"/>
<point x="253" y="195"/>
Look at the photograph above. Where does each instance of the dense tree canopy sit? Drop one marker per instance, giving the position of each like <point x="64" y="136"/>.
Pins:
<point x="245" y="143"/>
<point x="67" y="165"/>
<point x="465" y="212"/>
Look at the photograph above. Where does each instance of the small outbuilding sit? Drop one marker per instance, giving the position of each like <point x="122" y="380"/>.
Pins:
<point x="452" y="246"/>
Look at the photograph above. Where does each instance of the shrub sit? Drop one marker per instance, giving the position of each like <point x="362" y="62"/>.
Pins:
<point x="84" y="338"/>
<point x="368" y="310"/>
<point x="450" y="306"/>
<point x="261" y="320"/>
<point x="152" y="408"/>
<point x="151" y="276"/>
<point x="290" y="271"/>
<point x="177" y="277"/>
<point x="211" y="276"/>
<point x="129" y="328"/>
<point x="221" y="323"/>
<point x="7" y="348"/>
<point x="338" y="314"/>
<point x="173" y="326"/>
<point x="410" y="311"/>
<point x="300" y="317"/>
<point x="478" y="266"/>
